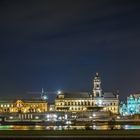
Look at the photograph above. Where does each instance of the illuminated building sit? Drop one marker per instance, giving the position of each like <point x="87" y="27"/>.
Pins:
<point x="132" y="105"/>
<point x="23" y="106"/>
<point x="84" y="101"/>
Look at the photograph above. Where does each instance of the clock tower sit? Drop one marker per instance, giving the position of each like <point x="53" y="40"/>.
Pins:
<point x="97" y="90"/>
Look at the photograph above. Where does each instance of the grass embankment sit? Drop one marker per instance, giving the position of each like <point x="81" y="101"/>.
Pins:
<point x="69" y="133"/>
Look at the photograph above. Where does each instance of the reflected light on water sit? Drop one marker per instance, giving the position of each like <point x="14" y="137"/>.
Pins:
<point x="130" y="127"/>
<point x="67" y="127"/>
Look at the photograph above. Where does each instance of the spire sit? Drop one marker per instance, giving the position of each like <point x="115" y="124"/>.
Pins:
<point x="43" y="95"/>
<point x="42" y="90"/>
<point x="97" y="74"/>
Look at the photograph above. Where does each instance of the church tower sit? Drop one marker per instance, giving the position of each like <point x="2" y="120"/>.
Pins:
<point x="43" y="95"/>
<point x="97" y="90"/>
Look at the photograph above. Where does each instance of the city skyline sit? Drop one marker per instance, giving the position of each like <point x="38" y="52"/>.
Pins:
<point x="61" y="45"/>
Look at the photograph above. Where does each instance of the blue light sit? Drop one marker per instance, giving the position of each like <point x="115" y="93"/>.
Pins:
<point x="131" y="107"/>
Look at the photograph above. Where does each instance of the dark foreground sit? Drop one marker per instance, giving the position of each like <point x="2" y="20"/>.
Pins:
<point x="70" y="134"/>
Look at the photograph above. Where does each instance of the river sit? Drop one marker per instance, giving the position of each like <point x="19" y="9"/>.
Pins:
<point x="68" y="127"/>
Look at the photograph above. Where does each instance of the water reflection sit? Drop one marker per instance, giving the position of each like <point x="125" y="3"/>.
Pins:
<point x="101" y="127"/>
<point x="68" y="127"/>
<point x="128" y="127"/>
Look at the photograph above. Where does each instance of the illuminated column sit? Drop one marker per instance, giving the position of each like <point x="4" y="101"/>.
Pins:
<point x="97" y="90"/>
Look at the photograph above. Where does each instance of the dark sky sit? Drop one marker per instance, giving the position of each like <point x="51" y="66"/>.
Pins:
<point x="61" y="44"/>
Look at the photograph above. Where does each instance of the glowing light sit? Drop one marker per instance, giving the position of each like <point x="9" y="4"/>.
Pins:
<point x="45" y="97"/>
<point x="94" y="115"/>
<point x="48" y="116"/>
<point x="90" y="117"/>
<point x="11" y="117"/>
<point x="68" y="122"/>
<point x="60" y="118"/>
<point x="59" y="92"/>
<point x="66" y="116"/>
<point x="36" y="117"/>
<point x="55" y="116"/>
<point x="118" y="117"/>
<point x="94" y="126"/>
<point x="100" y="102"/>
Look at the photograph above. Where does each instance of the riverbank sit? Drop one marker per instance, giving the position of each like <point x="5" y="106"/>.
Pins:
<point x="51" y="133"/>
<point x="76" y="123"/>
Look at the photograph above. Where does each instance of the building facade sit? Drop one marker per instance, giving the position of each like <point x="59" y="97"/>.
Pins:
<point x="84" y="101"/>
<point x="23" y="106"/>
<point x="132" y="106"/>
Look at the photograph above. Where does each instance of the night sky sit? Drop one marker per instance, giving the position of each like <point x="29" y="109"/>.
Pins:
<point x="62" y="44"/>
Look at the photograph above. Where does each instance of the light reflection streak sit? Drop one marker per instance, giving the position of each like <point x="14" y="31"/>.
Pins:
<point x="67" y="127"/>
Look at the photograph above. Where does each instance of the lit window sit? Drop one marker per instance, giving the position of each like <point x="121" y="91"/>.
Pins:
<point x="1" y="105"/>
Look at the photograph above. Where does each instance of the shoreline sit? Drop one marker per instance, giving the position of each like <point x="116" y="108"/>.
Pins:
<point x="65" y="133"/>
